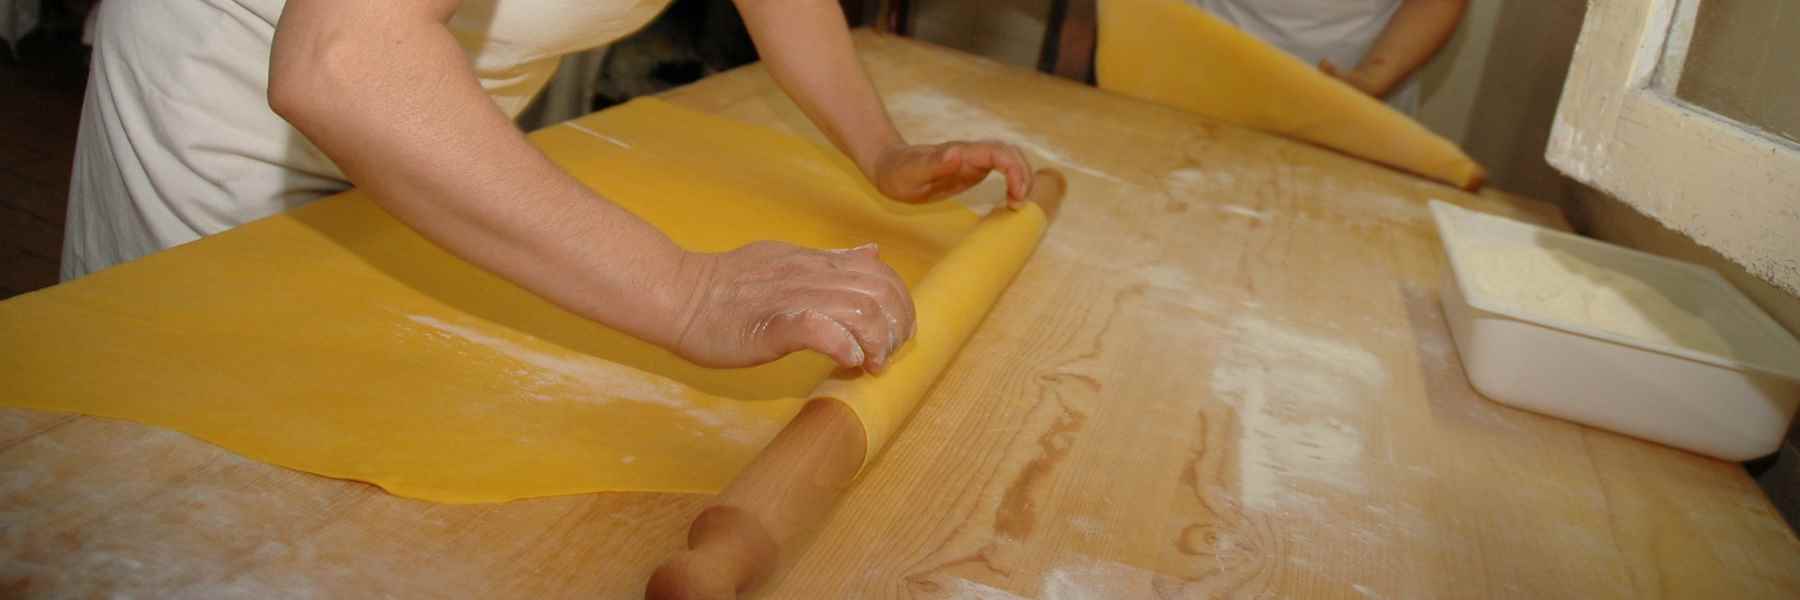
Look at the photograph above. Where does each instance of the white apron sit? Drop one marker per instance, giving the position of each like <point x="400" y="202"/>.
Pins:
<point x="177" y="140"/>
<point x="1341" y="30"/>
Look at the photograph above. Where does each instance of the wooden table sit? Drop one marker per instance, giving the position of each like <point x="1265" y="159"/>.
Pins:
<point x="1225" y="373"/>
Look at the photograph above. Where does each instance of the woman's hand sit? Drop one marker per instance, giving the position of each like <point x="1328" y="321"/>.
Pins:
<point x="926" y="173"/>
<point x="807" y="49"/>
<point x="767" y="299"/>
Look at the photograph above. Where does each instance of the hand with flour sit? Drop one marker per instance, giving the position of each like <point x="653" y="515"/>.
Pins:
<point x="767" y="299"/>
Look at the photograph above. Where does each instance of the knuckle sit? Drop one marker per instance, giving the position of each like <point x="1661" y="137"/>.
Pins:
<point x="888" y="299"/>
<point x="829" y="336"/>
<point x="870" y="305"/>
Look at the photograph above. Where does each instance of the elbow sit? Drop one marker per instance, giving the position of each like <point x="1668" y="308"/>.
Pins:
<point x="303" y="74"/>
<point x="293" y="89"/>
<point x="286" y="96"/>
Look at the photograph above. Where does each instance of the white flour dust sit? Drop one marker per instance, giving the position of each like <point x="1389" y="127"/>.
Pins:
<point x="969" y="590"/>
<point x="1388" y="207"/>
<point x="1292" y="392"/>
<point x="934" y="117"/>
<point x="578" y="377"/>
<point x="1246" y="212"/>
<point x="1088" y="526"/>
<point x="1190" y="180"/>
<point x="1093" y="579"/>
<point x="1085" y="579"/>
<point x="1167" y="277"/>
<point x="1172" y="287"/>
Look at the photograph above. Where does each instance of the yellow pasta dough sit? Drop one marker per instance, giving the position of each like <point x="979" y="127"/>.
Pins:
<point x="1169" y="52"/>
<point x="335" y="340"/>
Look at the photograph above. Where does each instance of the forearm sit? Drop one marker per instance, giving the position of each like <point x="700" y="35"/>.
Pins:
<point x="388" y="94"/>
<point x="807" y="49"/>
<point x="1417" y="31"/>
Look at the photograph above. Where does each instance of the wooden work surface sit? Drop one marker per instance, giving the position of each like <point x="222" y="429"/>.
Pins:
<point x="1225" y="373"/>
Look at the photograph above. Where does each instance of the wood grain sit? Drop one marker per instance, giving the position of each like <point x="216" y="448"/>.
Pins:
<point x="1224" y="374"/>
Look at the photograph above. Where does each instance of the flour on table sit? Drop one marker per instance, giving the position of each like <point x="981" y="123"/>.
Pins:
<point x="1246" y="212"/>
<point x="1088" y="526"/>
<point x="1558" y="285"/>
<point x="1169" y="277"/>
<point x="970" y="590"/>
<point x="1292" y="393"/>
<point x="934" y="117"/>
<point x="549" y="377"/>
<point x="1192" y="180"/>
<point x="1093" y="579"/>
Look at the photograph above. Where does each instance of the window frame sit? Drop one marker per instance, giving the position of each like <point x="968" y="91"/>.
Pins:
<point x="1621" y="129"/>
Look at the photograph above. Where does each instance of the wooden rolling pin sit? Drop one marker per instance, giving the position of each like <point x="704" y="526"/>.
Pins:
<point x="786" y="491"/>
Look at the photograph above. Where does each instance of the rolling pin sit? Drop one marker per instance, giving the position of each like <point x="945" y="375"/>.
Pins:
<point x="786" y="491"/>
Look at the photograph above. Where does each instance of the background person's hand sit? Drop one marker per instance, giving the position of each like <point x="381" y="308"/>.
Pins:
<point x="765" y="300"/>
<point x="933" y="172"/>
<point x="1352" y="77"/>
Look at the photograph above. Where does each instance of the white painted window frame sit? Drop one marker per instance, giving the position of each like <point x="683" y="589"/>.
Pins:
<point x="1620" y="129"/>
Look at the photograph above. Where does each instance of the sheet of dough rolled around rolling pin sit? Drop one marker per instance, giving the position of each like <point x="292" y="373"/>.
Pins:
<point x="1171" y="53"/>
<point x="333" y="339"/>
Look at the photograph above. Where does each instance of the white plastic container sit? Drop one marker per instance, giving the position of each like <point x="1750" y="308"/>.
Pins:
<point x="1734" y="407"/>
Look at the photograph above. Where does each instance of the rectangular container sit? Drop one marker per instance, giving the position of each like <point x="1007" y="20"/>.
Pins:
<point x="1731" y="407"/>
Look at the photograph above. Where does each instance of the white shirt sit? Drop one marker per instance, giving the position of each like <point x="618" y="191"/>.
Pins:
<point x="1312" y="30"/>
<point x="177" y="140"/>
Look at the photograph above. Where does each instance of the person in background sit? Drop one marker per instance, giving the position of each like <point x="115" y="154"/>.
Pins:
<point x="205" y="114"/>
<point x="1373" y="45"/>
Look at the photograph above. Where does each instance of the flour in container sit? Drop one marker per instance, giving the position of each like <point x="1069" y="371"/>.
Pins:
<point x="1558" y="285"/>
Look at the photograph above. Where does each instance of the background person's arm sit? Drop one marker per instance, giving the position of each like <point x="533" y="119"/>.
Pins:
<point x="385" y="91"/>
<point x="1418" y="29"/>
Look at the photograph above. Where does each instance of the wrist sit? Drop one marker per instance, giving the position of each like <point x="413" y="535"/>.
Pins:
<point x="1370" y="82"/>
<point x="685" y="292"/>
<point x="875" y="155"/>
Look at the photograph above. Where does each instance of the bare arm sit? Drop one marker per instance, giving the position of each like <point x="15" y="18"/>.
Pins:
<point x="806" y="45"/>
<point x="1418" y="29"/>
<point x="385" y="91"/>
